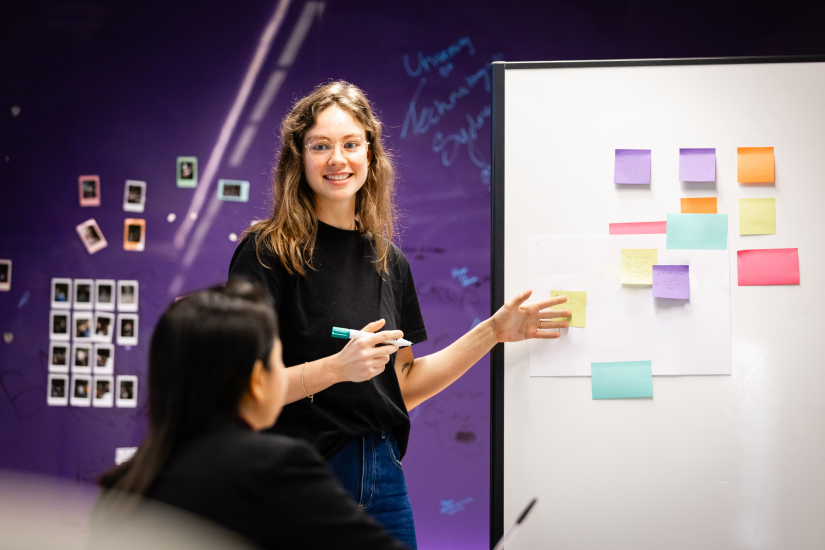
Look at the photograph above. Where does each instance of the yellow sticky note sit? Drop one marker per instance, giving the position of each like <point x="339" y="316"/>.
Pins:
<point x="755" y="164"/>
<point x="576" y="302"/>
<point x="637" y="265"/>
<point x="757" y="216"/>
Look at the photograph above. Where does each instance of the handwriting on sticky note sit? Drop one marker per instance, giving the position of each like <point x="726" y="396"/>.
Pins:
<point x="671" y="281"/>
<point x="637" y="265"/>
<point x="576" y="302"/>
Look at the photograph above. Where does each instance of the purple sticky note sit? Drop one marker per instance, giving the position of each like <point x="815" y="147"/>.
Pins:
<point x="697" y="164"/>
<point x="671" y="281"/>
<point x="632" y="166"/>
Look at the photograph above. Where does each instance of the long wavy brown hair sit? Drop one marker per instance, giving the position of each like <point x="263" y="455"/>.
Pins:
<point x="290" y="232"/>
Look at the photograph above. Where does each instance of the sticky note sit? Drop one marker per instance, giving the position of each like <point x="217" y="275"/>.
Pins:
<point x="755" y="164"/>
<point x="632" y="166"/>
<point x="637" y="265"/>
<point x="697" y="231"/>
<point x="671" y="281"/>
<point x="757" y="216"/>
<point x="699" y="205"/>
<point x="697" y="165"/>
<point x="638" y="228"/>
<point x="768" y="266"/>
<point x="621" y="379"/>
<point x="576" y="302"/>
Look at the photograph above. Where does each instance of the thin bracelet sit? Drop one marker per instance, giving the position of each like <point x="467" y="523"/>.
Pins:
<point x="311" y="397"/>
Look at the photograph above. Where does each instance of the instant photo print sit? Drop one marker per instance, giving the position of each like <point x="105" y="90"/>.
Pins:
<point x="81" y="391"/>
<point x="59" y="322"/>
<point x="105" y="294"/>
<point x="127" y="329"/>
<point x="84" y="294"/>
<point x="104" y="326"/>
<point x="59" y="356"/>
<point x="134" y="234"/>
<point x="89" y="190"/>
<point x="233" y="190"/>
<point x="104" y="391"/>
<point x="5" y="275"/>
<point x="126" y="389"/>
<point x="82" y="358"/>
<point x="91" y="235"/>
<point x="187" y="172"/>
<point x="127" y="295"/>
<point x="62" y="295"/>
<point x="134" y="196"/>
<point x="104" y="359"/>
<point x="58" y="390"/>
<point x="82" y="327"/>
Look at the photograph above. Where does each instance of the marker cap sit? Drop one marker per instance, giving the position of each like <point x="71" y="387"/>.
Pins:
<point x="338" y="332"/>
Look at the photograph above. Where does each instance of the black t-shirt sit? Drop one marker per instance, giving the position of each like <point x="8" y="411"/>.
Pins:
<point x="343" y="290"/>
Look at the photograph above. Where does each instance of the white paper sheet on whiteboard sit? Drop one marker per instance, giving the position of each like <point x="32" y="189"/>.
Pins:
<point x="624" y="322"/>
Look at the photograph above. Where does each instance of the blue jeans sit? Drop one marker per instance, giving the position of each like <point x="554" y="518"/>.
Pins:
<point x="369" y="469"/>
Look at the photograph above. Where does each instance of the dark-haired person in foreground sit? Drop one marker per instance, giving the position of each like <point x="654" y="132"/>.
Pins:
<point x="215" y="378"/>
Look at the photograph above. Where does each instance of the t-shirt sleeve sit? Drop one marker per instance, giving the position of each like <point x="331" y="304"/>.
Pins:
<point x="412" y="322"/>
<point x="321" y="513"/>
<point x="245" y="264"/>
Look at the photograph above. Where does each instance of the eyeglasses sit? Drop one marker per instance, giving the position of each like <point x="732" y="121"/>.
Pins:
<point x="320" y="150"/>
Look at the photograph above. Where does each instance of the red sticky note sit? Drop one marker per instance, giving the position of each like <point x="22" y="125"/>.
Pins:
<point x="768" y="266"/>
<point x="639" y="228"/>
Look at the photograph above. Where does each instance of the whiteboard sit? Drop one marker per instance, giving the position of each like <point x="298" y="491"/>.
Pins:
<point x="625" y="322"/>
<point x="712" y="462"/>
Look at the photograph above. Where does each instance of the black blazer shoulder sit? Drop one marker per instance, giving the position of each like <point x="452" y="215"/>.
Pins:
<point x="274" y="490"/>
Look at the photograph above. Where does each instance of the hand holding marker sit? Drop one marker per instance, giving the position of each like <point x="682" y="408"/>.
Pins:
<point x="351" y="334"/>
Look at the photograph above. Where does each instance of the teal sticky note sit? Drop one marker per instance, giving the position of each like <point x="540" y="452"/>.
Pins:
<point x="697" y="231"/>
<point x="621" y="379"/>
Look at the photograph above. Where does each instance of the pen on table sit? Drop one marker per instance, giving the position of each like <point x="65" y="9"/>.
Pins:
<point x="511" y="533"/>
<point x="351" y="334"/>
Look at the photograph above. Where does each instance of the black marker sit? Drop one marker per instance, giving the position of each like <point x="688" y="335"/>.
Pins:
<point x="507" y="537"/>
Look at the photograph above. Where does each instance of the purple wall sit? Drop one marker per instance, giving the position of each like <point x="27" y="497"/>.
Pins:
<point x="120" y="89"/>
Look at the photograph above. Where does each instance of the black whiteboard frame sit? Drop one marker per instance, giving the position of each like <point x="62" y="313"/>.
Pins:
<point x="497" y="238"/>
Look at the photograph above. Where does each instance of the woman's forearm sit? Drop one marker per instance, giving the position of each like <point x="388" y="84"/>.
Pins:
<point x="318" y="376"/>
<point x="432" y="373"/>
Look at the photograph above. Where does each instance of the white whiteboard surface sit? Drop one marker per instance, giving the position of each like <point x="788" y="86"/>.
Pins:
<point x="711" y="462"/>
<point x="625" y="322"/>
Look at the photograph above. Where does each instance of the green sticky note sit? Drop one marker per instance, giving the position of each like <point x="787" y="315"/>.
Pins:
<point x="576" y="302"/>
<point x="637" y="265"/>
<point x="757" y="216"/>
<point x="697" y="231"/>
<point x="622" y="379"/>
<point x="187" y="172"/>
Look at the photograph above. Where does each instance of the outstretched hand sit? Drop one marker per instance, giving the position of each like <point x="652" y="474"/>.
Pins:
<point x="515" y="322"/>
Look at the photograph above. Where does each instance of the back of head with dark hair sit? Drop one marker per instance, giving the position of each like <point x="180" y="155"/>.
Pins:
<point x="200" y="361"/>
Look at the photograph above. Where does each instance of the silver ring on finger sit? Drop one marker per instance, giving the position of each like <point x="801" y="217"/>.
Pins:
<point x="541" y="326"/>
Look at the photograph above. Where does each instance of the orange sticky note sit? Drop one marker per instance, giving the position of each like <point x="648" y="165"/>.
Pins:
<point x="755" y="164"/>
<point x="699" y="205"/>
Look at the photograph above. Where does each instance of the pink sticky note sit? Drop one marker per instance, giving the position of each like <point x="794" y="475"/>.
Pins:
<point x="769" y="266"/>
<point x="639" y="228"/>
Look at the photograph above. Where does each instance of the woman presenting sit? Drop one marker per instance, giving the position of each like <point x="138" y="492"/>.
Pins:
<point x="326" y="256"/>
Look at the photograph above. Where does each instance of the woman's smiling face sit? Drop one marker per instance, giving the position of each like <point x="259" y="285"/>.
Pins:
<point x="336" y="180"/>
